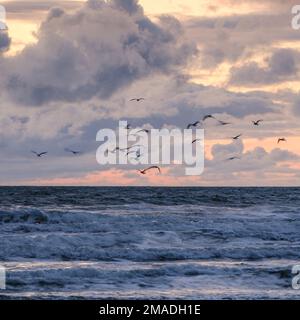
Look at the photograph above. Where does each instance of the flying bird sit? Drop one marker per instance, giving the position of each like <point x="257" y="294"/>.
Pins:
<point x="130" y="152"/>
<point x="73" y="151"/>
<point x="124" y="149"/>
<point x="281" y="140"/>
<point x="236" y="137"/>
<point x="39" y="154"/>
<point x="118" y="149"/>
<point x="208" y="116"/>
<point x="137" y="154"/>
<point x="128" y="127"/>
<point x="195" y="140"/>
<point x="195" y="124"/>
<point x="223" y="123"/>
<point x="256" y="123"/>
<point x="137" y="99"/>
<point x="142" y="130"/>
<point x="233" y="158"/>
<point x="150" y="168"/>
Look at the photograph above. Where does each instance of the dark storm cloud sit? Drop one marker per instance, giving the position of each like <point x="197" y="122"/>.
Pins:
<point x="94" y="52"/>
<point x="130" y="6"/>
<point x="5" y="41"/>
<point x="282" y="66"/>
<point x="229" y="39"/>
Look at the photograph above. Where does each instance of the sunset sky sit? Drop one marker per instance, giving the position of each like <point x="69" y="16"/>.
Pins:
<point x="69" y="68"/>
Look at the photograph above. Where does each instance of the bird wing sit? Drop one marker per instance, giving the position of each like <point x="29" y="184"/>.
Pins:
<point x="232" y="158"/>
<point x="208" y="116"/>
<point x="42" y="153"/>
<point x="153" y="167"/>
<point x="34" y="152"/>
<point x="158" y="168"/>
<point x="224" y="123"/>
<point x="142" y="130"/>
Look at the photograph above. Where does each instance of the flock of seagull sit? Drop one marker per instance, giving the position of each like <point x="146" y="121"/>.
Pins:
<point x="138" y="152"/>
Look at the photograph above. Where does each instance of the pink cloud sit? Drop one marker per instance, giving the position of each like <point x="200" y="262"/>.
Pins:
<point x="118" y="177"/>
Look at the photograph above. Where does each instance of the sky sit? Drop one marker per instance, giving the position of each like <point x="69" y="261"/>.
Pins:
<point x="69" y="68"/>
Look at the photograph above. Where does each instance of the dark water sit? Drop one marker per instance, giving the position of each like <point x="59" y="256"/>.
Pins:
<point x="189" y="243"/>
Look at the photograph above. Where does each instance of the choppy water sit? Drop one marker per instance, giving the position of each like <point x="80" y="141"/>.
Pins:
<point x="189" y="243"/>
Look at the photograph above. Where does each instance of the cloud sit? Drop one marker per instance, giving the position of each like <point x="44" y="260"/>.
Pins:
<point x="5" y="41"/>
<point x="253" y="160"/>
<point x="86" y="65"/>
<point x="282" y="66"/>
<point x="76" y="58"/>
<point x="34" y="11"/>
<point x="237" y="38"/>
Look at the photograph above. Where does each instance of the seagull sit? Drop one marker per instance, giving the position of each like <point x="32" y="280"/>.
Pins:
<point x="195" y="124"/>
<point x="124" y="149"/>
<point x="150" y="168"/>
<point x="128" y="127"/>
<point x="208" y="116"/>
<point x="195" y="140"/>
<point x="233" y="158"/>
<point x="281" y="140"/>
<point x="118" y="149"/>
<point x="236" y="137"/>
<point x="39" y="154"/>
<point x="138" y="99"/>
<point x="73" y="151"/>
<point x="137" y="154"/>
<point x="130" y="152"/>
<point x="256" y="123"/>
<point x="223" y="123"/>
<point x="142" y="130"/>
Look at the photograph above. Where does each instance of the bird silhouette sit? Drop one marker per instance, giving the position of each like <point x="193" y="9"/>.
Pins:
<point x="236" y="137"/>
<point x="150" y="168"/>
<point x="233" y="158"/>
<point x="39" y="154"/>
<point x="281" y="140"/>
<point x="128" y="127"/>
<point x="223" y="123"/>
<point x="137" y="99"/>
<point x="195" y="140"/>
<point x="125" y="149"/>
<point x="208" y="116"/>
<point x="142" y="130"/>
<point x="137" y="154"/>
<point x="195" y="124"/>
<point x="72" y="151"/>
<point x="257" y="122"/>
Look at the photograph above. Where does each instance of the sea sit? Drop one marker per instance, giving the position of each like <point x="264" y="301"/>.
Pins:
<point x="149" y="242"/>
